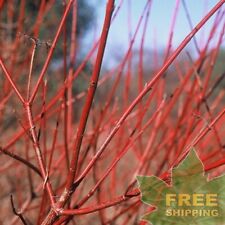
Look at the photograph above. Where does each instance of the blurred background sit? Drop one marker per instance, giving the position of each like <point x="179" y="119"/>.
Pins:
<point x="143" y="35"/>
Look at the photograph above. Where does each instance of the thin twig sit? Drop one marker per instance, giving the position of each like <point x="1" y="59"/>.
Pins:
<point x="19" y="214"/>
<point x="31" y="67"/>
<point x="20" y="159"/>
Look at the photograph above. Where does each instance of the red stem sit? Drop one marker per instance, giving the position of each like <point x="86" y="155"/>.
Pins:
<point x="148" y="88"/>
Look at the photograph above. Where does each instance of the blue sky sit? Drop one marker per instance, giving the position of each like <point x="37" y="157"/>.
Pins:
<point x="159" y="22"/>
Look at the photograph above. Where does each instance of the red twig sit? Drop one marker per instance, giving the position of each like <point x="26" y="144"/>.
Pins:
<point x="148" y="88"/>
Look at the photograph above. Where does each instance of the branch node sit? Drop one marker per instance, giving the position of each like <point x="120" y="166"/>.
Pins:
<point x="46" y="180"/>
<point x="58" y="211"/>
<point x="19" y="214"/>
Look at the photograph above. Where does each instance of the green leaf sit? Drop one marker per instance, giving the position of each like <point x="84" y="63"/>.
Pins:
<point x="190" y="199"/>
